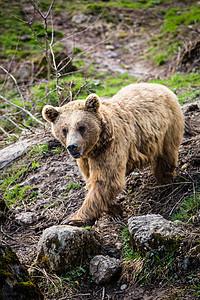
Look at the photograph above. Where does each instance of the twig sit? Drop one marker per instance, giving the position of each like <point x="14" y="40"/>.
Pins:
<point x="80" y="90"/>
<point x="177" y="203"/>
<point x="78" y="33"/>
<point x="103" y="293"/>
<point x="83" y="52"/>
<point x="24" y="110"/>
<point x="9" y="236"/>
<point x="13" y="122"/>
<point x="5" y="132"/>
<point x="15" y="81"/>
<point x="79" y="295"/>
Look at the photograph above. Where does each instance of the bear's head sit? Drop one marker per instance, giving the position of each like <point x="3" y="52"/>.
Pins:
<point x="79" y="125"/>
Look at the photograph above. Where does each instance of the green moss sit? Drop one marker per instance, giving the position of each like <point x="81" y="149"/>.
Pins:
<point x="27" y="290"/>
<point x="19" y="282"/>
<point x="43" y="261"/>
<point x="171" y="243"/>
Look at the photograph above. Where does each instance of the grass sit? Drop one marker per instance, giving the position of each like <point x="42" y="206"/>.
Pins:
<point x="188" y="209"/>
<point x="72" y="185"/>
<point x="10" y="180"/>
<point x="174" y="32"/>
<point x="184" y="85"/>
<point x="17" y="35"/>
<point x="175" y="17"/>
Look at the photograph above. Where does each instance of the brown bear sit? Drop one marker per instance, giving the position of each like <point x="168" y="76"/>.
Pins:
<point x="142" y="124"/>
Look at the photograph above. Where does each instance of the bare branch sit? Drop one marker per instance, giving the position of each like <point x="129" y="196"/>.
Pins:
<point x="13" y="122"/>
<point x="15" y="81"/>
<point x="10" y="64"/>
<point x="85" y="51"/>
<point x="13" y="16"/>
<point x="50" y="8"/>
<point x="81" y="87"/>
<point x="6" y="133"/>
<point x="23" y="109"/>
<point x="78" y="33"/>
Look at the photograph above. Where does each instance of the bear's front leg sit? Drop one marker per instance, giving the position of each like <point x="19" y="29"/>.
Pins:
<point x="100" y="198"/>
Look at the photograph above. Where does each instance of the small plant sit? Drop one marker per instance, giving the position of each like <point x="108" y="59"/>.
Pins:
<point x="57" y="150"/>
<point x="35" y="165"/>
<point x="188" y="208"/>
<point x="74" y="277"/>
<point x="132" y="262"/>
<point x="17" y="194"/>
<point x="73" y="185"/>
<point x="128" y="192"/>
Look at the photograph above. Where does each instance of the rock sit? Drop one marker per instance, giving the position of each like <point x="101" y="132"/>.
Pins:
<point x="61" y="58"/>
<point x="109" y="47"/>
<point x="79" y="19"/>
<point x="63" y="247"/>
<point x="151" y="231"/>
<point x="32" y="180"/>
<point x="123" y="287"/>
<point x="103" y="268"/>
<point x="26" y="218"/>
<point x="111" y="54"/>
<point x="15" y="283"/>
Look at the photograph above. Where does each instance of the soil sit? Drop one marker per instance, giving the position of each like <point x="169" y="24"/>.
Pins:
<point x="61" y="189"/>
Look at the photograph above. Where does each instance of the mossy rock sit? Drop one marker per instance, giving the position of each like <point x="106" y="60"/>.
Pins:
<point x="150" y="232"/>
<point x="38" y="67"/>
<point x="61" y="57"/>
<point x="15" y="282"/>
<point x="62" y="248"/>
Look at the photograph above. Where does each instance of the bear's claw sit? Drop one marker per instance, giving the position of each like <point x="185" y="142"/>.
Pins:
<point x="116" y="218"/>
<point x="79" y="223"/>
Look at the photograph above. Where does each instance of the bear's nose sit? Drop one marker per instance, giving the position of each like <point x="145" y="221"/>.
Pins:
<point x="72" y="148"/>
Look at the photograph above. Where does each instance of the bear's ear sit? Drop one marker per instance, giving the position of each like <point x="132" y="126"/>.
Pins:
<point x="50" y="113"/>
<point x="92" y="102"/>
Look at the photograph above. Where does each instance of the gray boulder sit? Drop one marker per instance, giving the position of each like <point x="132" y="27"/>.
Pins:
<point x="103" y="268"/>
<point x="151" y="231"/>
<point x="63" y="247"/>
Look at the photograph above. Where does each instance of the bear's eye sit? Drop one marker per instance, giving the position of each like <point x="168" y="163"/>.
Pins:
<point x="64" y="131"/>
<point x="81" y="128"/>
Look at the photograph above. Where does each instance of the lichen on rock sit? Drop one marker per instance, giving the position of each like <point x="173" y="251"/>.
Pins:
<point x="148" y="232"/>
<point x="62" y="247"/>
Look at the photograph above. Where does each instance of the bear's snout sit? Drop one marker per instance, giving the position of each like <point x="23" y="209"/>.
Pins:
<point x="72" y="148"/>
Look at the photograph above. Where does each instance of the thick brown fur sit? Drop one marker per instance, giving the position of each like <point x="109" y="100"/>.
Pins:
<point x="142" y="124"/>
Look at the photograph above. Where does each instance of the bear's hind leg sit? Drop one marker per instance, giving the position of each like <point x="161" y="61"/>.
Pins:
<point x="164" y="169"/>
<point x="165" y="165"/>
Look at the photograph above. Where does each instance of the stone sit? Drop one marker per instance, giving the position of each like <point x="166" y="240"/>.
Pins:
<point x="123" y="287"/>
<point x="34" y="179"/>
<point x="151" y="231"/>
<point x="15" y="282"/>
<point x="79" y="19"/>
<point x="111" y="54"/>
<point x="104" y="268"/>
<point x="26" y="218"/>
<point x="63" y="247"/>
